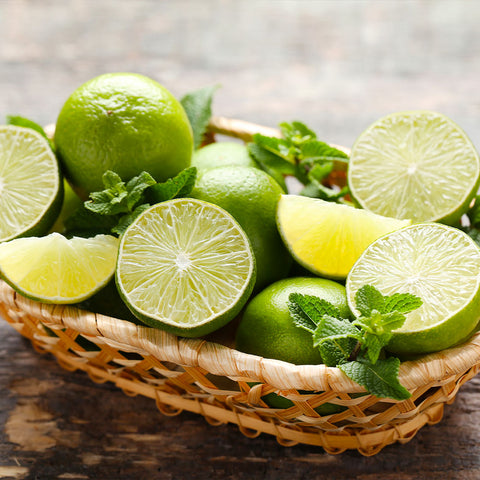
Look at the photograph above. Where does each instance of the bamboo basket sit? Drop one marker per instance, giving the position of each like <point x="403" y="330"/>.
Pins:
<point x="209" y="377"/>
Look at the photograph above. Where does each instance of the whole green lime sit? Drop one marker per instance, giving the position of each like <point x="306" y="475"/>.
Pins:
<point x="267" y="329"/>
<point x="250" y="195"/>
<point x="123" y="122"/>
<point x="221" y="154"/>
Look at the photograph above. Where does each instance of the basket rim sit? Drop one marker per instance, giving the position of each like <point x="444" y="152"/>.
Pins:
<point x="225" y="361"/>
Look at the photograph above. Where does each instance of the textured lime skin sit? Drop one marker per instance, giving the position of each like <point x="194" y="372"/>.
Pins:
<point x="122" y="122"/>
<point x="222" y="154"/>
<point x="267" y="329"/>
<point x="250" y="196"/>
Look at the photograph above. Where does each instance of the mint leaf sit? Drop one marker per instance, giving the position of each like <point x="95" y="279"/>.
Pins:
<point x="402" y="302"/>
<point x="272" y="164"/>
<point x="315" y="189"/>
<point x="321" y="151"/>
<point x="297" y="132"/>
<point x="380" y="379"/>
<point x="83" y="222"/>
<point x="135" y="188"/>
<point x="336" y="349"/>
<point x="368" y="298"/>
<point x="198" y="107"/>
<point x="178" y="186"/>
<point x="372" y="345"/>
<point x="112" y="200"/>
<point x="125" y="220"/>
<point x="277" y="146"/>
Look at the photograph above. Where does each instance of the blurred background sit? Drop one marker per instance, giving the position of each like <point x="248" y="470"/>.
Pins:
<point x="338" y="65"/>
<point x="335" y="65"/>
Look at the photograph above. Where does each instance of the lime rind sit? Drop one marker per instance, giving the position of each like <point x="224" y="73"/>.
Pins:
<point x="185" y="266"/>
<point x="418" y="165"/>
<point x="30" y="183"/>
<point x="438" y="263"/>
<point x="327" y="238"/>
<point x="54" y="269"/>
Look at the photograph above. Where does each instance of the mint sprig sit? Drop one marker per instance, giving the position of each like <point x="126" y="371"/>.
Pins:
<point x="358" y="347"/>
<point x="300" y="154"/>
<point x="116" y="207"/>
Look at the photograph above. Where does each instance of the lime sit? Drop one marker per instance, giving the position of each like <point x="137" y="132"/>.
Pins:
<point x="441" y="265"/>
<point x="221" y="154"/>
<point x="53" y="269"/>
<point x="31" y="188"/>
<point x="251" y="196"/>
<point x="122" y="122"/>
<point x="267" y="329"/>
<point x="417" y="165"/>
<point x="71" y="202"/>
<point x="185" y="266"/>
<point x="327" y="238"/>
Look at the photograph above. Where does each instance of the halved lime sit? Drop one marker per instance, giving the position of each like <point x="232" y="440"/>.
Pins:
<point x="327" y="238"/>
<point x="31" y="189"/>
<point x="438" y="263"/>
<point x="418" y="165"/>
<point x="53" y="269"/>
<point x="185" y="266"/>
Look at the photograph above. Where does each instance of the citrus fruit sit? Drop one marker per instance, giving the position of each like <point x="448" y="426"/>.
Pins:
<point x="267" y="329"/>
<point x="185" y="266"/>
<point x="52" y="269"/>
<point x="438" y="263"/>
<point x="31" y="188"/>
<point x="327" y="238"/>
<point x="221" y="154"/>
<point x="251" y="196"/>
<point x="417" y="165"/>
<point x="71" y="202"/>
<point x="123" y="122"/>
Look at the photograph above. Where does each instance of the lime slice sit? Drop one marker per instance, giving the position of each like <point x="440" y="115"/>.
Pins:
<point x="53" y="269"/>
<point x="327" y="238"/>
<point x="31" y="190"/>
<point x="438" y="263"/>
<point x="418" y="165"/>
<point x="185" y="266"/>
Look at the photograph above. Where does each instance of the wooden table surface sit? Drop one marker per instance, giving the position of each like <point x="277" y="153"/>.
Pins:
<point x="338" y="66"/>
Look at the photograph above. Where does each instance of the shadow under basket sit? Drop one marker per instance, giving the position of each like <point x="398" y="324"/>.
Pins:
<point x="224" y="385"/>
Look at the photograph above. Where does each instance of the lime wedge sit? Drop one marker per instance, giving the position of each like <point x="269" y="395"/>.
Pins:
<point x="441" y="265"/>
<point x="53" y="269"/>
<point x="185" y="266"/>
<point x="327" y="238"/>
<point x="31" y="190"/>
<point x="417" y="165"/>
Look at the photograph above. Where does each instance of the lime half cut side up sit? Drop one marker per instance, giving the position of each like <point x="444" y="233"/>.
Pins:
<point x="418" y="165"/>
<point x="185" y="266"/>
<point x="31" y="189"/>
<point x="326" y="237"/>
<point x="54" y="269"/>
<point x="438" y="263"/>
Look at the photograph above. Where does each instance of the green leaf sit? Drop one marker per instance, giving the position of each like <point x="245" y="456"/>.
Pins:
<point x="126" y="220"/>
<point x="402" y="302"/>
<point x="297" y="132"/>
<point x="368" y="298"/>
<point x="372" y="345"/>
<point x="321" y="151"/>
<point x="111" y="179"/>
<point x="336" y="349"/>
<point x="272" y="164"/>
<point x="135" y="188"/>
<point x="315" y="189"/>
<point x="83" y="222"/>
<point x="179" y="186"/>
<point x="380" y="379"/>
<point x="308" y="311"/>
<point x="198" y="107"/>
<point x="277" y="146"/>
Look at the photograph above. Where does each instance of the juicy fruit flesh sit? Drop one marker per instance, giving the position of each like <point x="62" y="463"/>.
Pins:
<point x="416" y="165"/>
<point x="328" y="238"/>
<point x="58" y="270"/>
<point x="439" y="264"/>
<point x="29" y="180"/>
<point x="184" y="262"/>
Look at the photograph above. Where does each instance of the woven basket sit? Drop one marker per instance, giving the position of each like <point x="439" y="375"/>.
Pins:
<point x="208" y="377"/>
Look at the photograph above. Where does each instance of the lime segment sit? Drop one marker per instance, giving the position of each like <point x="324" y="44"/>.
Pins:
<point x="441" y="265"/>
<point x="30" y="184"/>
<point x="417" y="165"/>
<point x="53" y="269"/>
<point x="185" y="266"/>
<point x="327" y="238"/>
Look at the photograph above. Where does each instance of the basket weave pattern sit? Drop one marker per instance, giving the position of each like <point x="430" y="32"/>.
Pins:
<point x="226" y="386"/>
